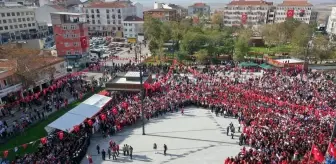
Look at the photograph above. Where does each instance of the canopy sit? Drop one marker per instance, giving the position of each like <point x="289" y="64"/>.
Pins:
<point x="265" y="66"/>
<point x="248" y="64"/>
<point x="77" y="115"/>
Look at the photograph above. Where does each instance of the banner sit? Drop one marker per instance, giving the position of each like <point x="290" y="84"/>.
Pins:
<point x="290" y="13"/>
<point x="302" y="13"/>
<point x="84" y="42"/>
<point x="244" y="18"/>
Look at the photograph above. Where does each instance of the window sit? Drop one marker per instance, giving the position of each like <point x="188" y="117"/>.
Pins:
<point x="5" y="82"/>
<point x="9" y="21"/>
<point x="130" y="30"/>
<point x="3" y="15"/>
<point x="66" y="44"/>
<point x="6" y="27"/>
<point x="14" y="20"/>
<point x="119" y="21"/>
<point x="97" y="10"/>
<point x="75" y="44"/>
<point x="113" y="16"/>
<point x="16" y="26"/>
<point x="28" y="19"/>
<point x="33" y="24"/>
<point x="98" y="16"/>
<point x="73" y="27"/>
<point x="77" y="52"/>
<point x="17" y="13"/>
<point x="119" y="28"/>
<point x="65" y="36"/>
<point x="98" y="21"/>
<point x="92" y="16"/>
<point x="114" y="22"/>
<point x="24" y="25"/>
<point x="8" y="14"/>
<point x="19" y="19"/>
<point x="107" y="16"/>
<point x="65" y="27"/>
<point x="125" y="29"/>
<point x="29" y="25"/>
<point x="11" y="26"/>
<point x="86" y="11"/>
<point x="22" y="13"/>
<point x="74" y="36"/>
<point x="13" y="14"/>
<point x="119" y="16"/>
<point x="92" y="11"/>
<point x="113" y="28"/>
<point x="118" y="10"/>
<point x="129" y="24"/>
<point x="93" y="22"/>
<point x="27" y="13"/>
<point x="4" y="21"/>
<point x="125" y="24"/>
<point x="107" y="11"/>
<point x="68" y="52"/>
<point x="0" y="21"/>
<point x="108" y="22"/>
<point x="32" y="18"/>
<point x="1" y="28"/>
<point x="20" y="25"/>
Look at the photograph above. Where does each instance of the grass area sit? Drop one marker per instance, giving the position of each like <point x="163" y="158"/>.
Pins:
<point x="272" y="50"/>
<point x="36" y="131"/>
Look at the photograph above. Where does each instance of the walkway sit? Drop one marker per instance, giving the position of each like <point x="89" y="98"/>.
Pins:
<point x="198" y="137"/>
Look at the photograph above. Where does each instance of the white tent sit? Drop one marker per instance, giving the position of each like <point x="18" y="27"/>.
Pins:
<point x="77" y="115"/>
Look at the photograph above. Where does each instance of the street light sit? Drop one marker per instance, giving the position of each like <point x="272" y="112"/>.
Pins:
<point x="142" y="96"/>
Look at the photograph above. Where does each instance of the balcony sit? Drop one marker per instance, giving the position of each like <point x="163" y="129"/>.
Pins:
<point x="8" y="89"/>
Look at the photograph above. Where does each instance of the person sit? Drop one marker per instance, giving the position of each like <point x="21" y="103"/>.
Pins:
<point x="155" y="147"/>
<point x="89" y="159"/>
<point x="127" y="149"/>
<point x="182" y="111"/>
<point x="117" y="149"/>
<point x="124" y="150"/>
<point x="164" y="149"/>
<point x="227" y="130"/>
<point x="98" y="148"/>
<point x="131" y="151"/>
<point x="103" y="154"/>
<point x="109" y="152"/>
<point x="114" y="153"/>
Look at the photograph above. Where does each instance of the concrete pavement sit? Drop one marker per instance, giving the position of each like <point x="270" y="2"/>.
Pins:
<point x="198" y="137"/>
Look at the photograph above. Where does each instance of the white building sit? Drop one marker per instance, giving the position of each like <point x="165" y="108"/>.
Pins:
<point x="199" y="8"/>
<point x="331" y="25"/>
<point x="248" y="13"/>
<point x="181" y="11"/>
<point x="133" y="25"/>
<point x="297" y="9"/>
<point x="42" y="14"/>
<point x="106" y="18"/>
<point x="16" y="22"/>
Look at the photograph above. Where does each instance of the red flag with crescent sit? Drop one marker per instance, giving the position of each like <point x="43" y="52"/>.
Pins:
<point x="84" y="41"/>
<point x="244" y="18"/>
<point x="290" y="13"/>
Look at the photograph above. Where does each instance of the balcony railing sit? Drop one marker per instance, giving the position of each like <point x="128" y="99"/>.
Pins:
<point x="8" y="89"/>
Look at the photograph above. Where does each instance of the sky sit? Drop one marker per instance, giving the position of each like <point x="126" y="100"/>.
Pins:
<point x="149" y="3"/>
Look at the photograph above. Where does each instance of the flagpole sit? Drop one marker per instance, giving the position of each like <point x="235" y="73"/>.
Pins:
<point x="311" y="151"/>
<point x="331" y="138"/>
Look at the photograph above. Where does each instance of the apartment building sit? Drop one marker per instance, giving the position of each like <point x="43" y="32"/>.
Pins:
<point x="71" y="36"/>
<point x="133" y="26"/>
<point x="17" y="22"/>
<point x="105" y="18"/>
<point x="201" y="9"/>
<point x="248" y="13"/>
<point x="299" y="10"/>
<point x="162" y="14"/>
<point x="181" y="11"/>
<point x="331" y="23"/>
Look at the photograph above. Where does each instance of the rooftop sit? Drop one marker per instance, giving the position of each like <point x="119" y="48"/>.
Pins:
<point x="67" y="13"/>
<point x="160" y="10"/>
<point x="295" y="3"/>
<point x="133" y="18"/>
<point x="115" y="4"/>
<point x="291" y="61"/>
<point x="250" y="3"/>
<point x="199" y="5"/>
<point x="57" y="7"/>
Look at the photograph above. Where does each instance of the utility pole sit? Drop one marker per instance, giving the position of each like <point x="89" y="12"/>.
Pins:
<point x="142" y="96"/>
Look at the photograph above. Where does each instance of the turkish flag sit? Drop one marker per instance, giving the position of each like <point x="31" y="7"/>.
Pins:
<point x="43" y="140"/>
<point x="318" y="156"/>
<point x="332" y="150"/>
<point x="60" y="135"/>
<point x="290" y="13"/>
<point x="244" y="18"/>
<point x="84" y="41"/>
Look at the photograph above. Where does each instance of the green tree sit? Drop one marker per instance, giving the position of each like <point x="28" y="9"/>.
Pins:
<point x="322" y="48"/>
<point x="217" y="19"/>
<point x="300" y="39"/>
<point x="242" y="44"/>
<point x="193" y="41"/>
<point x="201" y="56"/>
<point x="272" y="35"/>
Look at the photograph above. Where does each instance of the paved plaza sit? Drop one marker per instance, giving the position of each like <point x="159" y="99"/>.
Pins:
<point x="197" y="137"/>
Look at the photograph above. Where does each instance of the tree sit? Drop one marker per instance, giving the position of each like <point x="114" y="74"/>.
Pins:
<point x="322" y="48"/>
<point x="300" y="39"/>
<point x="201" y="56"/>
<point x="193" y="41"/>
<point x="272" y="35"/>
<point x="242" y="44"/>
<point x="217" y="19"/>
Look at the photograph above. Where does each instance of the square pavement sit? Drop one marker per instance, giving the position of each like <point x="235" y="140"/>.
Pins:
<point x="197" y="137"/>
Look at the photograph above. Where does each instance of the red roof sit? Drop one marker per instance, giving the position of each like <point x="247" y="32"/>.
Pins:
<point x="295" y="3"/>
<point x="250" y="3"/>
<point x="115" y="4"/>
<point x="199" y="5"/>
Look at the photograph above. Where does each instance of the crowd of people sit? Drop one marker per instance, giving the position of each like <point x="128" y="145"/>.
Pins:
<point x="277" y="110"/>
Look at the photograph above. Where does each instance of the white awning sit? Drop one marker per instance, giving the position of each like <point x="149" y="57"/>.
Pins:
<point x="77" y="115"/>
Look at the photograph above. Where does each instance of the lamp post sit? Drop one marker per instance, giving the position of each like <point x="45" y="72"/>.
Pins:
<point x="142" y="96"/>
